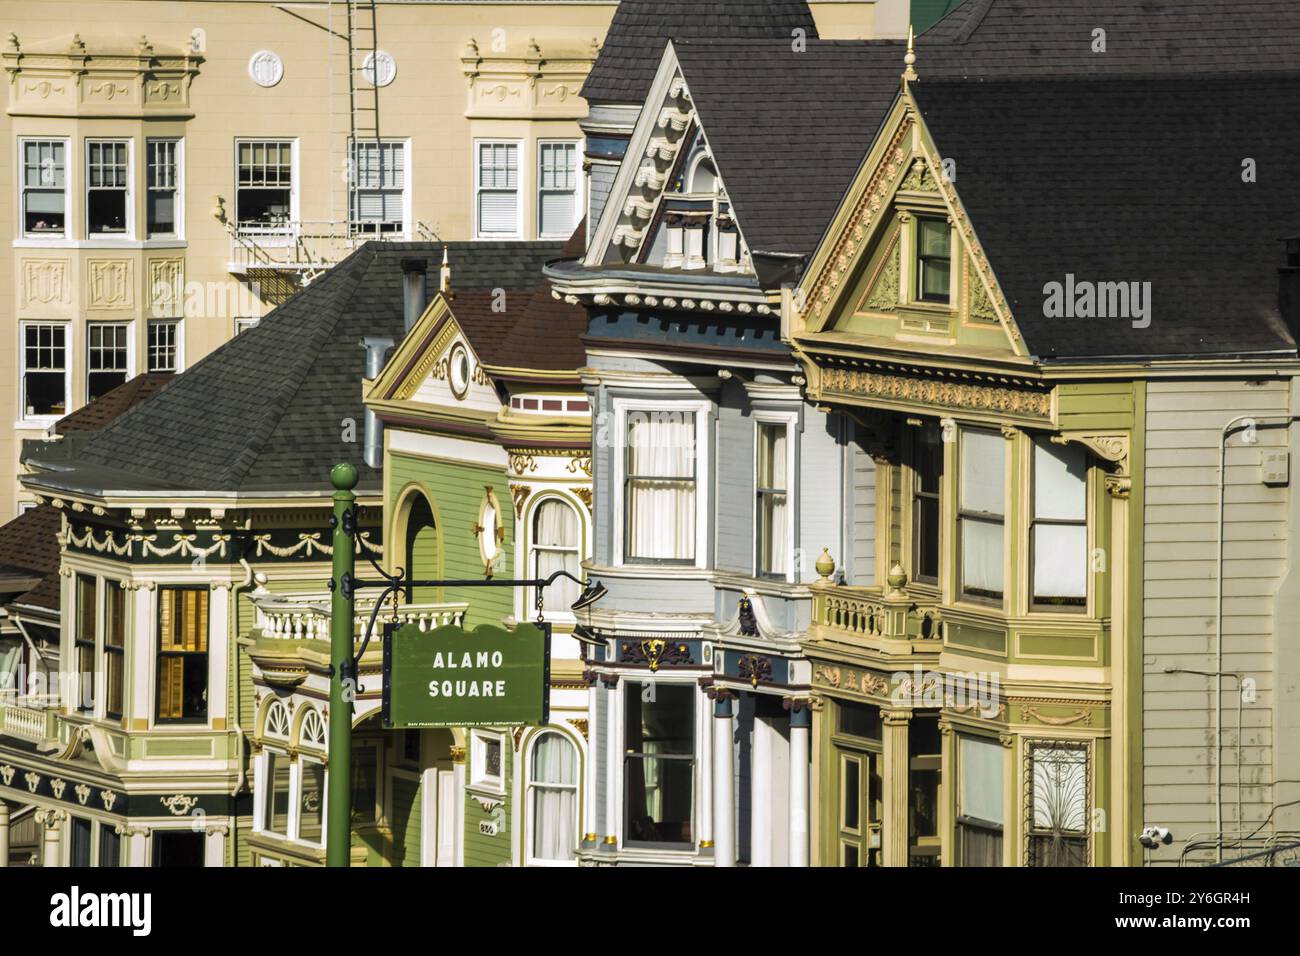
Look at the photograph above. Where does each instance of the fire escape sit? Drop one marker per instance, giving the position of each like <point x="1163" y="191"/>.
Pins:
<point x="285" y="254"/>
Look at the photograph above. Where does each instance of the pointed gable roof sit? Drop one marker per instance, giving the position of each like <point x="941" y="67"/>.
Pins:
<point x="1124" y="180"/>
<point x="265" y="412"/>
<point x="635" y="41"/>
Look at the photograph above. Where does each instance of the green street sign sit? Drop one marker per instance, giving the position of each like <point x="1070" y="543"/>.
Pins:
<point x="451" y="677"/>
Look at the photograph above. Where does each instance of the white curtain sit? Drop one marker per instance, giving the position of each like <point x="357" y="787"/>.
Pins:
<point x="555" y="548"/>
<point x="553" y="782"/>
<point x="1060" y="494"/>
<point x="983" y="489"/>
<point x="981" y="779"/>
<point x="774" y="501"/>
<point x="661" y="486"/>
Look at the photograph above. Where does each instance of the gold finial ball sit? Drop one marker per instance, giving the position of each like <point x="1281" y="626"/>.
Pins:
<point x="825" y="563"/>
<point x="344" y="476"/>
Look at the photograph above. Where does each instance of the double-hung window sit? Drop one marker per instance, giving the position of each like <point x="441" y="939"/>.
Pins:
<point x="45" y="369"/>
<point x="275" y="794"/>
<point x="264" y="186"/>
<point x="927" y="468"/>
<point x="556" y="548"/>
<point x="552" y="799"/>
<point x="108" y="187"/>
<point x="557" y="188"/>
<point x="114" y="647"/>
<point x="84" y="640"/>
<point x="182" y="654"/>
<point x="982" y="513"/>
<point x="1059" y="533"/>
<point x="165" y="345"/>
<point x="44" y="186"/>
<point x="162" y="206"/>
<point x="378" y="187"/>
<point x="497" y="188"/>
<point x="933" y="260"/>
<point x="659" y="763"/>
<point x="981" y="815"/>
<point x="660" y="487"/>
<point x="107" y="358"/>
<point x="771" y="487"/>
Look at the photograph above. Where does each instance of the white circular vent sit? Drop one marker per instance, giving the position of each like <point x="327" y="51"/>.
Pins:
<point x="265" y="68"/>
<point x="379" y="68"/>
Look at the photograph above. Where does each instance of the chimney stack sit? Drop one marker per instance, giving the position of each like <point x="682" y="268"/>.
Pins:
<point x="414" y="291"/>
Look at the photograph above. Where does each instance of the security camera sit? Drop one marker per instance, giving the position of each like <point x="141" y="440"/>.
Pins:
<point x="1152" y="837"/>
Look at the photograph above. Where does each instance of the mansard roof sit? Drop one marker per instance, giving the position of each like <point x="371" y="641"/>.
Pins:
<point x="265" y="413"/>
<point x="1128" y="179"/>
<point x="1022" y="37"/>
<point x="635" y="42"/>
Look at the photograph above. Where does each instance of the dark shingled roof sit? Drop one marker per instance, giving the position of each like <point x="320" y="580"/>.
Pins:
<point x="789" y="130"/>
<point x="640" y="29"/>
<point x="1133" y="180"/>
<point x="93" y="417"/>
<point x="1022" y="37"/>
<point x="266" y="412"/>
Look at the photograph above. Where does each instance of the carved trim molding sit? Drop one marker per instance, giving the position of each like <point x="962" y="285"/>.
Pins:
<point x="935" y="389"/>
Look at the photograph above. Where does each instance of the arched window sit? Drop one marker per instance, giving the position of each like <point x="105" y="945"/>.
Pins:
<point x="421" y="553"/>
<point x="703" y="179"/>
<point x="555" y="548"/>
<point x="552" y="799"/>
<point x="312" y="733"/>
<point x="277" y="720"/>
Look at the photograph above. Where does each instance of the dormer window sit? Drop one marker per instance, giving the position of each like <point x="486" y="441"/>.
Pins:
<point x="933" y="260"/>
<point x="698" y="230"/>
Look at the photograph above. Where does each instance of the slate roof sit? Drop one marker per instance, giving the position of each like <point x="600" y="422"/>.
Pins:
<point x="789" y="129"/>
<point x="640" y="29"/>
<point x="266" y="412"/>
<point x="1130" y="179"/>
<point x="1024" y="37"/>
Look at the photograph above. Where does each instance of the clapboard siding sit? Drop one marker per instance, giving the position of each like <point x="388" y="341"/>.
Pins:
<point x="864" y="517"/>
<point x="1184" y="421"/>
<point x="599" y="182"/>
<point x="821" y="503"/>
<point x="735" y="502"/>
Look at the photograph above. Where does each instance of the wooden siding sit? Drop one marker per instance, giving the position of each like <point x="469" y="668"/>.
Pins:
<point x="1184" y="421"/>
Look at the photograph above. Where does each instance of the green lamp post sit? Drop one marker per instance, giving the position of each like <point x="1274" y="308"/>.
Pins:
<point x="343" y="679"/>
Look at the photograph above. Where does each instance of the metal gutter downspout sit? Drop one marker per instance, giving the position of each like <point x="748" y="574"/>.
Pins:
<point x="1247" y="421"/>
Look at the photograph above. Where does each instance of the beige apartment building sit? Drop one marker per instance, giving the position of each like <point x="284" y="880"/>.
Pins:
<point x="169" y="171"/>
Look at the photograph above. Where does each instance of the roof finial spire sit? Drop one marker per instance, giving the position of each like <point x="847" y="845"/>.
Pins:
<point x="909" y="58"/>
<point x="444" y="274"/>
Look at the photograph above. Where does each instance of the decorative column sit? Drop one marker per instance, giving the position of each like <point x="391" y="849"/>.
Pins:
<point x="52" y="822"/>
<point x="800" y="731"/>
<point x="724" y="764"/>
<point x="947" y="792"/>
<point x="4" y="833"/>
<point x="894" y="836"/>
<point x="613" y="765"/>
<point x="761" y="786"/>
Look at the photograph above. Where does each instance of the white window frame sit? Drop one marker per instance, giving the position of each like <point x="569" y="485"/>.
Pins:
<point x="264" y="792"/>
<point x="703" y="499"/>
<point x="271" y="237"/>
<point x="790" y="419"/>
<point x="406" y="231"/>
<point x="479" y="779"/>
<point x="179" y="188"/>
<point x="522" y="186"/>
<point x="179" y="332"/>
<point x="1036" y="606"/>
<point x="43" y="420"/>
<point x="530" y="821"/>
<point x="702" y="757"/>
<point x="578" y="198"/>
<point x="129" y="234"/>
<point x="129" y="327"/>
<point x="69" y="183"/>
<point x="961" y="515"/>
<point x="530" y="567"/>
<point x="297" y="784"/>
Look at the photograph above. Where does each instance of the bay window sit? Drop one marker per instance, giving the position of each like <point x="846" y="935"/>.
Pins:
<point x="660" y="487"/>
<point x="552" y="799"/>
<point x="1058" y="804"/>
<point x="659" y="763"/>
<point x="108" y="187"/>
<point x="83" y="639"/>
<point x="982" y="513"/>
<point x="182" y="654"/>
<point x="497" y="188"/>
<point x="161" y="206"/>
<point x="981" y="815"/>
<point x="44" y="187"/>
<point x="107" y="358"/>
<point x="264" y="186"/>
<point x="275" y="794"/>
<point x="45" y="369"/>
<point x="555" y="546"/>
<point x="311" y="801"/>
<point x="927" y="468"/>
<point x="557" y="188"/>
<point x="114" y="646"/>
<point x="771" y="484"/>
<point x="1059" y="530"/>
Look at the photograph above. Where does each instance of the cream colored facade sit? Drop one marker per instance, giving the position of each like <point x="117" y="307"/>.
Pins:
<point x="208" y="75"/>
